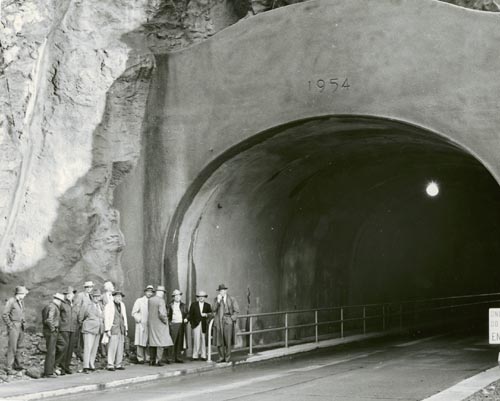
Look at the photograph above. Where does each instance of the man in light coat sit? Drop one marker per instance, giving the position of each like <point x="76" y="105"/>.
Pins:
<point x="13" y="317"/>
<point x="91" y="320"/>
<point x="82" y="300"/>
<point x="116" y="329"/>
<point x="140" y="315"/>
<point x="158" y="331"/>
<point x="226" y="312"/>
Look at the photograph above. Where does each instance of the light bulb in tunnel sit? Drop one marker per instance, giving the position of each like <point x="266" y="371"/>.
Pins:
<point x="432" y="189"/>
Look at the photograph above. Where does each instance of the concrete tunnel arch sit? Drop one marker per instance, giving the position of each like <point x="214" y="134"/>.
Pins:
<point x="240" y="221"/>
<point x="422" y="64"/>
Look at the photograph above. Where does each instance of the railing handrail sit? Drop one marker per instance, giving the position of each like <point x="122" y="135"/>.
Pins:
<point x="384" y="315"/>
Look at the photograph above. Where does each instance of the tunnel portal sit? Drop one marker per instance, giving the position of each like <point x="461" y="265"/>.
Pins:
<point x="334" y="211"/>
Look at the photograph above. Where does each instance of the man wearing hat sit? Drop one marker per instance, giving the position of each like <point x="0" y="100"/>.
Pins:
<point x="199" y="311"/>
<point x="177" y="315"/>
<point x="51" y="322"/>
<point x="68" y="331"/>
<point x="13" y="317"/>
<point x="140" y="315"/>
<point x="116" y="328"/>
<point x="226" y="312"/>
<point x="158" y="331"/>
<point x="91" y="320"/>
<point x="82" y="300"/>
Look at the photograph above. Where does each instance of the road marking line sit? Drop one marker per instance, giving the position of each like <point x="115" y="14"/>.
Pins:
<point x="467" y="387"/>
<point x="408" y="344"/>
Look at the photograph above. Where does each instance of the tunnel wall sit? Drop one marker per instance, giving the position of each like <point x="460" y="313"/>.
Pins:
<point x="421" y="62"/>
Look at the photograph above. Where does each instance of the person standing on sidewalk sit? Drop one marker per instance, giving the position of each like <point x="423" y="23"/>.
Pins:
<point x="116" y="329"/>
<point x="199" y="311"/>
<point x="177" y="315"/>
<point x="13" y="317"/>
<point x="68" y="332"/>
<point x="158" y="331"/>
<point x="82" y="300"/>
<point x="91" y="319"/>
<point x="226" y="312"/>
<point x="140" y="315"/>
<point x="51" y="321"/>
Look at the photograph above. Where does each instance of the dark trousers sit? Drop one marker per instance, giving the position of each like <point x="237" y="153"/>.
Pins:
<point x="50" y="358"/>
<point x="64" y="349"/>
<point x="224" y="347"/>
<point x="15" y="346"/>
<point x="177" y="333"/>
<point x="155" y="354"/>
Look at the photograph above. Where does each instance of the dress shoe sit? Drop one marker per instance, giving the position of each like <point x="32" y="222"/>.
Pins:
<point x="52" y="376"/>
<point x="203" y="359"/>
<point x="140" y="362"/>
<point x="111" y="369"/>
<point x="179" y="360"/>
<point x="68" y="371"/>
<point x="160" y="364"/>
<point x="120" y="368"/>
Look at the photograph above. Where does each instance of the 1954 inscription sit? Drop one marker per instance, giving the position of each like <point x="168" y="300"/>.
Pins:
<point x="328" y="85"/>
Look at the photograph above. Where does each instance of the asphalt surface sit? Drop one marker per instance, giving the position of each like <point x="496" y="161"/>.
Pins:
<point x="399" y="369"/>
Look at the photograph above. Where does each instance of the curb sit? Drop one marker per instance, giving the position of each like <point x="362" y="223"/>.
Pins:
<point x="263" y="356"/>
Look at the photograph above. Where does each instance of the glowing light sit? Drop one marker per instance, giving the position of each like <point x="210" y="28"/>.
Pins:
<point x="432" y="189"/>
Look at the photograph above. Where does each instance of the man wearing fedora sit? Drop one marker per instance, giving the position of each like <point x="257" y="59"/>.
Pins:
<point x="51" y="322"/>
<point x="158" y="330"/>
<point x="226" y="312"/>
<point x="68" y="331"/>
<point x="140" y="315"/>
<point x="178" y="317"/>
<point x="13" y="317"/>
<point x="116" y="328"/>
<point x="199" y="311"/>
<point x="82" y="300"/>
<point x="91" y="320"/>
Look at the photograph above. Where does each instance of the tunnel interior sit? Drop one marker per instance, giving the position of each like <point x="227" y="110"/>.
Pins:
<point x="334" y="211"/>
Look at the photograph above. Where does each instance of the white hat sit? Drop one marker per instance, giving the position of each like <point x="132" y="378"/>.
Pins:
<point x="59" y="296"/>
<point x="88" y="284"/>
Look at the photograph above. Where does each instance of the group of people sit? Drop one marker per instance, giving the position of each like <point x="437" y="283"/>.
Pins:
<point x="82" y="323"/>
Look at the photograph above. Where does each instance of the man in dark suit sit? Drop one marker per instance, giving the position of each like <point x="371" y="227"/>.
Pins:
<point x="13" y="317"/>
<point x="199" y="312"/>
<point x="68" y="332"/>
<point x="226" y="312"/>
<point x="177" y="316"/>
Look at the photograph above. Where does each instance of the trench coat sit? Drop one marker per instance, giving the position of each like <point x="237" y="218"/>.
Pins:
<point x="158" y="331"/>
<point x="230" y="317"/>
<point x="140" y="315"/>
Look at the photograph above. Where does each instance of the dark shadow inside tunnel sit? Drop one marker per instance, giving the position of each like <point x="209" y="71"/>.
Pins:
<point x="334" y="211"/>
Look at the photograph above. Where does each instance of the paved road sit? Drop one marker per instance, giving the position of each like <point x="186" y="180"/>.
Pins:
<point x="397" y="370"/>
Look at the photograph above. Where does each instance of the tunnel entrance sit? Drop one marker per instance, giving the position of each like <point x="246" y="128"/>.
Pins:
<point x="334" y="210"/>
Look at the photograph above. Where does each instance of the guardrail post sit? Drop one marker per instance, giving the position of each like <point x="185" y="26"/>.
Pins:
<point x="316" y="325"/>
<point x="341" y="322"/>
<point x="364" y="319"/>
<point x="250" y="345"/>
<point x="209" y="351"/>
<point x="286" y="330"/>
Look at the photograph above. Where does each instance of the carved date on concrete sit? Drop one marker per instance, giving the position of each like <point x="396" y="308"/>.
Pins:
<point x="328" y="85"/>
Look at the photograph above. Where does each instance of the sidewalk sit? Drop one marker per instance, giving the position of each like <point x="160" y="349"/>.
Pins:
<point x="133" y="374"/>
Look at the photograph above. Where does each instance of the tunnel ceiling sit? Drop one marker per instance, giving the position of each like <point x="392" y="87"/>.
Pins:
<point x="339" y="203"/>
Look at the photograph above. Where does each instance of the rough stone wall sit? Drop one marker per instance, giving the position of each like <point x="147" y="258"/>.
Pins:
<point x="74" y="79"/>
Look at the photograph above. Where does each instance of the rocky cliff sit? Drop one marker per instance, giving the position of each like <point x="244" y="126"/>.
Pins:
<point x="74" y="80"/>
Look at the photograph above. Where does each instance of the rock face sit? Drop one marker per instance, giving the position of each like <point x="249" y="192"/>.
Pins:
<point x="74" y="79"/>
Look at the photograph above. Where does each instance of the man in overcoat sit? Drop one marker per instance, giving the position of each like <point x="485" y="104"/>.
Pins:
<point x="13" y="317"/>
<point x="51" y="321"/>
<point x="158" y="330"/>
<point x="199" y="312"/>
<point x="82" y="300"/>
<point x="178" y="317"/>
<point x="140" y="315"/>
<point x="68" y="331"/>
<point x="116" y="328"/>
<point x="226" y="312"/>
<point x="91" y="321"/>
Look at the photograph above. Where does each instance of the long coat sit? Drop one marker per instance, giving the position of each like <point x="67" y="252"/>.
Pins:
<point x="227" y="318"/>
<point x="158" y="333"/>
<point x="140" y="315"/>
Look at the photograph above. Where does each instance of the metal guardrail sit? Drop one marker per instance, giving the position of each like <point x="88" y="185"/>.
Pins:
<point x="411" y="311"/>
